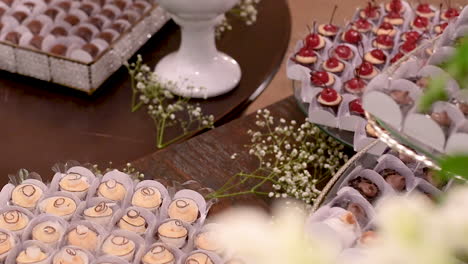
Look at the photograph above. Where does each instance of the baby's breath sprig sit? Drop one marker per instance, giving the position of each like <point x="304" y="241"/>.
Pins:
<point x="128" y="169"/>
<point x="246" y="11"/>
<point x="294" y="159"/>
<point x="165" y="108"/>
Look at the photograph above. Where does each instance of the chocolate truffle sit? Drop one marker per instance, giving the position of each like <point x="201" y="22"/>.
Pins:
<point x="59" y="49"/>
<point x="112" y="190"/>
<point x="106" y="36"/>
<point x="173" y="233"/>
<point x="401" y="97"/>
<point x="35" y="26"/>
<point x="72" y="20"/>
<point x="82" y="236"/>
<point x="119" y="27"/>
<point x="91" y="49"/>
<point x="184" y="209"/>
<point x="100" y="213"/>
<point x="97" y="22"/>
<point x="368" y="189"/>
<point x="48" y="232"/>
<point x="59" y="32"/>
<point x="52" y="13"/>
<point x="119" y="246"/>
<point x="85" y="33"/>
<point x="26" y="195"/>
<point x="441" y="118"/>
<point x="65" y="6"/>
<point x="397" y="181"/>
<point x="108" y="13"/>
<point x="133" y="222"/>
<point x="147" y="197"/>
<point x="59" y="206"/>
<point x="120" y="4"/>
<point x="20" y="16"/>
<point x="87" y="8"/>
<point x="13" y="37"/>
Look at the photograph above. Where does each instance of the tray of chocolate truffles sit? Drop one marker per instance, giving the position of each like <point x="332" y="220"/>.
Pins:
<point x="332" y="66"/>
<point x="392" y="97"/>
<point x="81" y="217"/>
<point x="347" y="213"/>
<point x="75" y="43"/>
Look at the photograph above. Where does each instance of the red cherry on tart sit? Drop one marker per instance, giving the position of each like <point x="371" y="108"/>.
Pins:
<point x="397" y="57"/>
<point x="333" y="65"/>
<point x="384" y="42"/>
<point x="328" y="30"/>
<point x="362" y="25"/>
<point x="366" y="70"/>
<point x="439" y="29"/>
<point x="424" y="10"/>
<point x="394" y="6"/>
<point x="385" y="28"/>
<point x="411" y="36"/>
<point x="449" y="14"/>
<point x="322" y="78"/>
<point x="355" y="107"/>
<point x="355" y="85"/>
<point x="408" y="46"/>
<point x="351" y="36"/>
<point x="370" y="12"/>
<point x="421" y="23"/>
<point x="315" y="41"/>
<point x="376" y="57"/>
<point x="394" y="18"/>
<point x="343" y="52"/>
<point x="306" y="55"/>
<point x="329" y="97"/>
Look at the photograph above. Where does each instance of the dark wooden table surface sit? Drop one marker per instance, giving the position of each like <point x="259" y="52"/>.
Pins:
<point x="42" y="123"/>
<point x="207" y="157"/>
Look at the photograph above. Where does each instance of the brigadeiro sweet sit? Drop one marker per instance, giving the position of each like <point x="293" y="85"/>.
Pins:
<point x="109" y="13"/>
<point x="85" y="33"/>
<point x="36" y="41"/>
<point x="64" y="5"/>
<point x="368" y="189"/>
<point x="13" y="37"/>
<point x="35" y="26"/>
<point x="59" y="31"/>
<point x="73" y="20"/>
<point x="140" y="7"/>
<point x="120" y="26"/>
<point x="392" y="177"/>
<point x="98" y="21"/>
<point x="88" y="8"/>
<point x="107" y="36"/>
<point x="20" y="16"/>
<point x="52" y="12"/>
<point x="91" y="49"/>
<point x="59" y="49"/>
<point x="130" y="16"/>
<point x="120" y="4"/>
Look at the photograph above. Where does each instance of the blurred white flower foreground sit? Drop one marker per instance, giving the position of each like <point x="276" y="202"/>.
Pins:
<point x="409" y="230"/>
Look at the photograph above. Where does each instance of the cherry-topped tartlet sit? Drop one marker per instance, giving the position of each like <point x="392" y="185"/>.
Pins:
<point x="329" y="97"/>
<point x="425" y="10"/>
<point x="411" y="36"/>
<point x="385" y="29"/>
<point x="440" y="28"/>
<point x="397" y="57"/>
<point x="362" y="25"/>
<point x="408" y="46"/>
<point x="370" y="12"/>
<point x="328" y="30"/>
<point x="343" y="52"/>
<point x="449" y="14"/>
<point x="315" y="41"/>
<point x="322" y="78"/>
<point x="376" y="57"/>
<point x="333" y="65"/>
<point x="355" y="85"/>
<point x="306" y="55"/>
<point x="394" y="18"/>
<point x="395" y="6"/>
<point x="351" y="36"/>
<point x="366" y="70"/>
<point x="384" y="42"/>
<point x="355" y="107"/>
<point x="420" y="23"/>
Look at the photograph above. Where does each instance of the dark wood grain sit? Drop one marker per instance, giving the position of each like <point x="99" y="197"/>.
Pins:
<point x="43" y="123"/>
<point x="207" y="157"/>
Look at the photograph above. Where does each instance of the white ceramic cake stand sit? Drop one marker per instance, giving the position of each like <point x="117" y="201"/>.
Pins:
<point x="198" y="69"/>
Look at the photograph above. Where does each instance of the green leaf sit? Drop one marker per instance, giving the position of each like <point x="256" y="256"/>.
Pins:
<point x="435" y="92"/>
<point x="454" y="165"/>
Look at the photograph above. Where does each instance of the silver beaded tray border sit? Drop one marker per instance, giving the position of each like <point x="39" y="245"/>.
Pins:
<point x="86" y="77"/>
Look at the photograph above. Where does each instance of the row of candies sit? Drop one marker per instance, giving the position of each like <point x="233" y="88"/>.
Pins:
<point x="339" y="63"/>
<point x="108" y="216"/>
<point x="79" y="30"/>
<point x="347" y="217"/>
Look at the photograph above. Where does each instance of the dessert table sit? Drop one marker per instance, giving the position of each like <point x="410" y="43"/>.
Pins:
<point x="43" y="123"/>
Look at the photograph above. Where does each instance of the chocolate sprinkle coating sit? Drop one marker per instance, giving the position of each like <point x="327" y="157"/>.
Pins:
<point x="368" y="189"/>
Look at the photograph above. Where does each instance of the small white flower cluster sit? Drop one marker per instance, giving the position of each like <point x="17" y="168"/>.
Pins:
<point x="246" y="10"/>
<point x="165" y="108"/>
<point x="294" y="157"/>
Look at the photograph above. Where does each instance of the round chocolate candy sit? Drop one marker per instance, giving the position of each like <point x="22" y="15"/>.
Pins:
<point x="30" y="5"/>
<point x="97" y="22"/>
<point x="368" y="189"/>
<point x="59" y="32"/>
<point x="85" y="33"/>
<point x="59" y="49"/>
<point x="120" y="4"/>
<point x="35" y="26"/>
<point x="36" y="41"/>
<point x="106" y="36"/>
<point x="99" y="2"/>
<point x="72" y="20"/>
<point x="13" y="37"/>
<point x="397" y="181"/>
<point x="119" y="27"/>
<point x="92" y="49"/>
<point x="108" y="13"/>
<point x="20" y="16"/>
<point x="87" y="8"/>
<point x="65" y="6"/>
